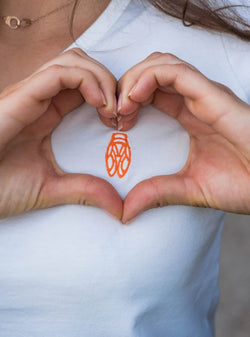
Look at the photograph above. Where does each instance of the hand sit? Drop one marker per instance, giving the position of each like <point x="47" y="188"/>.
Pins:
<point x="30" y="110"/>
<point x="217" y="171"/>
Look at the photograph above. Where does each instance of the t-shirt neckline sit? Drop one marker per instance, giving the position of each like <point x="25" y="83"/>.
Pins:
<point x="102" y="24"/>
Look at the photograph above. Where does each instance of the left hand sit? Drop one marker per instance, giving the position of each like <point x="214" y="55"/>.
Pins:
<point x="217" y="171"/>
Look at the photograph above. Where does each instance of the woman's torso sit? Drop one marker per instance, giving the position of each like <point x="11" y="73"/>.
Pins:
<point x="73" y="270"/>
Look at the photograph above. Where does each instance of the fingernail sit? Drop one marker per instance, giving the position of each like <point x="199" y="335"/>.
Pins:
<point x="119" y="117"/>
<point x="119" y="125"/>
<point x="126" y="223"/>
<point x="114" y="122"/>
<point x="119" y="103"/>
<point x="115" y="217"/>
<point x="132" y="90"/>
<point x="115" y="107"/>
<point x="103" y="97"/>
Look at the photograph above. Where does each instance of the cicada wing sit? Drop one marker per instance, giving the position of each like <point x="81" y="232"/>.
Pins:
<point x="111" y="163"/>
<point x="125" y="160"/>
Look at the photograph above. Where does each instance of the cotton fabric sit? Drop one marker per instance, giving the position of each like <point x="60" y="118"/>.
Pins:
<point x="74" y="271"/>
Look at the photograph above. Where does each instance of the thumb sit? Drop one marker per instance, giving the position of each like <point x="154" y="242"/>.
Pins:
<point x="81" y="189"/>
<point x="160" y="191"/>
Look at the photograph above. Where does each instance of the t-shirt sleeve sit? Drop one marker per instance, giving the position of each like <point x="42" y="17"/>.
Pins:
<point x="238" y="55"/>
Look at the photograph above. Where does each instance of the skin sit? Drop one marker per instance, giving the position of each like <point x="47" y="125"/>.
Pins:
<point x="217" y="171"/>
<point x="38" y="89"/>
<point x="30" y="178"/>
<point x="26" y="50"/>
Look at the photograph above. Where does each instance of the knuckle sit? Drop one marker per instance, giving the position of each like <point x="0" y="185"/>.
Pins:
<point x="168" y="57"/>
<point x="76" y="52"/>
<point x="154" y="55"/>
<point x="107" y="80"/>
<point x="70" y="52"/>
<point x="222" y="87"/>
<point x="149" y="70"/>
<point x="55" y="68"/>
<point x="183" y="68"/>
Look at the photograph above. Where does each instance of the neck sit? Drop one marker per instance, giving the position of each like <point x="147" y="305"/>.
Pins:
<point x="53" y="26"/>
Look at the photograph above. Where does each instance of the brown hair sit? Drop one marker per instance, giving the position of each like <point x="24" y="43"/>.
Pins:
<point x="201" y="13"/>
<point x="204" y="13"/>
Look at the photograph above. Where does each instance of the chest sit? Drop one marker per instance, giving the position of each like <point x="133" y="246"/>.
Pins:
<point x="17" y="63"/>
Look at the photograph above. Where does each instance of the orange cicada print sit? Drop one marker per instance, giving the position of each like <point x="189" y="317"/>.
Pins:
<point x="118" y="155"/>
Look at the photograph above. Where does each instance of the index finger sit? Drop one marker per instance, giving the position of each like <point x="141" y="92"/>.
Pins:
<point x="213" y="104"/>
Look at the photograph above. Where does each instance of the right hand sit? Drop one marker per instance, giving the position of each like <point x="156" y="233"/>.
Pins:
<point x="217" y="170"/>
<point x="30" y="110"/>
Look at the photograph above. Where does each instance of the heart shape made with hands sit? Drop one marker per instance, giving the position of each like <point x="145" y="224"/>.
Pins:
<point x="177" y="89"/>
<point x="177" y="184"/>
<point x="217" y="155"/>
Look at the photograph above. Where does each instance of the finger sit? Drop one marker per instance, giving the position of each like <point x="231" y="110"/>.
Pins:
<point x="126" y="122"/>
<point x="121" y="123"/>
<point x="129" y="79"/>
<point x="65" y="101"/>
<point x="158" y="192"/>
<point x="30" y="100"/>
<point x="68" y="100"/>
<point x="173" y="104"/>
<point x="109" y="122"/>
<point x="50" y="82"/>
<point x="80" y="189"/>
<point x="125" y="126"/>
<point x="209" y="103"/>
<point x="77" y="58"/>
<point x="181" y="77"/>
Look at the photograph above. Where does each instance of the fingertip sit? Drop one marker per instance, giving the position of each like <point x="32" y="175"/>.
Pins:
<point x="127" y="220"/>
<point x="95" y="191"/>
<point x="126" y="125"/>
<point x="109" y="122"/>
<point x="119" y="104"/>
<point x="110" y="200"/>
<point x="132" y="91"/>
<point x="115" y="215"/>
<point x="129" y="211"/>
<point x="109" y="110"/>
<point x="126" y="106"/>
<point x="117" y="210"/>
<point x="141" y="198"/>
<point x="104" y="101"/>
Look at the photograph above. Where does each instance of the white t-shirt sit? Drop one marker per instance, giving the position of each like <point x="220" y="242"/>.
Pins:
<point x="73" y="271"/>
